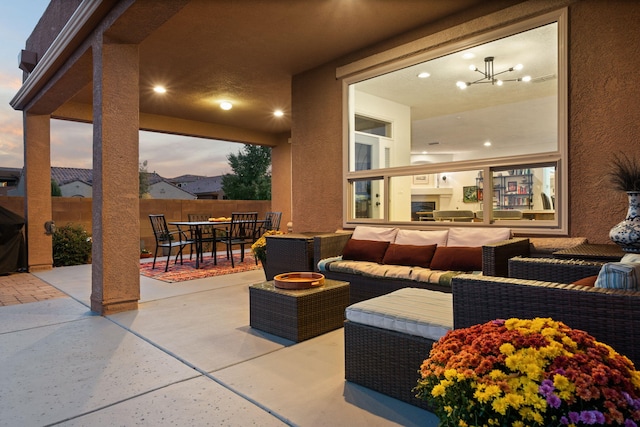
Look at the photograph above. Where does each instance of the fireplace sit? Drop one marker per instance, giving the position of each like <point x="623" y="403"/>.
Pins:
<point x="422" y="206"/>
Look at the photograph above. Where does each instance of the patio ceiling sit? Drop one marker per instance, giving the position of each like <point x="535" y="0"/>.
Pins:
<point x="246" y="52"/>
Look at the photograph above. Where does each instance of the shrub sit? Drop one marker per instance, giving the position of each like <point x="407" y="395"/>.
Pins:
<point x="71" y="246"/>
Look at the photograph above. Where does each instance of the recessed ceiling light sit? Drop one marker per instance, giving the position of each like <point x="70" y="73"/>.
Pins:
<point x="278" y="113"/>
<point x="468" y="55"/>
<point x="159" y="89"/>
<point x="226" y="105"/>
<point x="487" y="144"/>
<point x="424" y="75"/>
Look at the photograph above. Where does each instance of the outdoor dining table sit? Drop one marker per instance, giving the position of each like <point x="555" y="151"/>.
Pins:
<point x="197" y="226"/>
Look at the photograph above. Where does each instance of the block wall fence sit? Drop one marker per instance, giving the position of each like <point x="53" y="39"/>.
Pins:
<point x="74" y="210"/>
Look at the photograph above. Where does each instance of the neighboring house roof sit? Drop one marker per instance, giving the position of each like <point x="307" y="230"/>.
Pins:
<point x="207" y="185"/>
<point x="9" y="179"/>
<point x="185" y="178"/>
<point x="10" y="174"/>
<point x="154" y="178"/>
<point x="65" y="175"/>
<point x="195" y="185"/>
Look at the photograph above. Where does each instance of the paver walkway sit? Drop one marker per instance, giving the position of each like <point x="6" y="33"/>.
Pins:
<point x="21" y="288"/>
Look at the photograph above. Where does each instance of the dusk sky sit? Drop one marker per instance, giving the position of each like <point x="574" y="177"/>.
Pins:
<point x="71" y="143"/>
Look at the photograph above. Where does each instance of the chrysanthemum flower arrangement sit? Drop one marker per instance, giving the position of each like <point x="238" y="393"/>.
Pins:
<point x="521" y="373"/>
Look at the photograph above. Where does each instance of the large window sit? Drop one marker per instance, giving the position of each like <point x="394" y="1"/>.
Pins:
<point x="426" y="134"/>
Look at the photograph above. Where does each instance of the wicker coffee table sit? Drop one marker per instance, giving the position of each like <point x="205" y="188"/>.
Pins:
<point x="298" y="315"/>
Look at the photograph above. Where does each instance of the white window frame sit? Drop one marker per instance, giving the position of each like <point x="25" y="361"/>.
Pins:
<point x="432" y="47"/>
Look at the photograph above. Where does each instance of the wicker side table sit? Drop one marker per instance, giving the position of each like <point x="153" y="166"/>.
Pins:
<point x="298" y="315"/>
<point x="591" y="252"/>
<point x="289" y="252"/>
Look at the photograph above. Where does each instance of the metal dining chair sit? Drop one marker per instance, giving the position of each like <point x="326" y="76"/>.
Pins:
<point x="206" y="233"/>
<point x="271" y="222"/>
<point x="241" y="232"/>
<point x="167" y="239"/>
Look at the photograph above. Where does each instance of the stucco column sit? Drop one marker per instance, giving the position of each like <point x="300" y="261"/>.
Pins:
<point x="37" y="201"/>
<point x="116" y="224"/>
<point x="281" y="180"/>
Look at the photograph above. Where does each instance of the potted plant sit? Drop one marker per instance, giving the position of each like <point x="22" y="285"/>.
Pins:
<point x="259" y="247"/>
<point x="625" y="176"/>
<point x="521" y="372"/>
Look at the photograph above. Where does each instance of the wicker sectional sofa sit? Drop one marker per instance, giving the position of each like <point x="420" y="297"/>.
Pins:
<point x="369" y="283"/>
<point x="386" y="360"/>
<point x="610" y="315"/>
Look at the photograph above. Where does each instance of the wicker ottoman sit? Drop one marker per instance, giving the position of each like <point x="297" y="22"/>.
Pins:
<point x="298" y="315"/>
<point x="387" y="338"/>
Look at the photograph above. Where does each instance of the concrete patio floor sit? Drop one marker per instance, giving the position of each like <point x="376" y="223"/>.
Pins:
<point x="186" y="357"/>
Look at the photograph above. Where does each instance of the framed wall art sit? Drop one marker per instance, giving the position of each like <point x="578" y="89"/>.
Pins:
<point x="470" y="194"/>
<point x="420" y="179"/>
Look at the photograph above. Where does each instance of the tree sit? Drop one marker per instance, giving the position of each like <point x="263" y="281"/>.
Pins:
<point x="143" y="177"/>
<point x="251" y="177"/>
<point x="55" y="189"/>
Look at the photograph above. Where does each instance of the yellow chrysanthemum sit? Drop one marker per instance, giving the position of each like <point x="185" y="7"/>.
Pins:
<point x="500" y="406"/>
<point x="565" y="387"/>
<point x="549" y="332"/>
<point x="493" y="390"/>
<point x="481" y="396"/>
<point x="438" y="390"/>
<point x="451" y="374"/>
<point x="497" y="374"/>
<point x="537" y="417"/>
<point x="568" y="342"/>
<point x="507" y="348"/>
<point x="511" y="324"/>
<point x="635" y="378"/>
<point x="514" y="400"/>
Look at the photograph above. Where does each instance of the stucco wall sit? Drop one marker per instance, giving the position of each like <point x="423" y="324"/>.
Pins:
<point x="603" y="117"/>
<point x="316" y="151"/>
<point x="604" y="109"/>
<point x="281" y="180"/>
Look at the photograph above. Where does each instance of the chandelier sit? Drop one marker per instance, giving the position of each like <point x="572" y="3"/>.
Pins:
<point x="488" y="76"/>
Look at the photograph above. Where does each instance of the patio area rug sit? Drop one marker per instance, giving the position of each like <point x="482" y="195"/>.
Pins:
<point x="188" y="271"/>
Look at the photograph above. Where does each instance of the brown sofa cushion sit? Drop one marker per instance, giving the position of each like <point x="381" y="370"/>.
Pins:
<point x="365" y="250"/>
<point x="409" y="255"/>
<point x="457" y="258"/>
